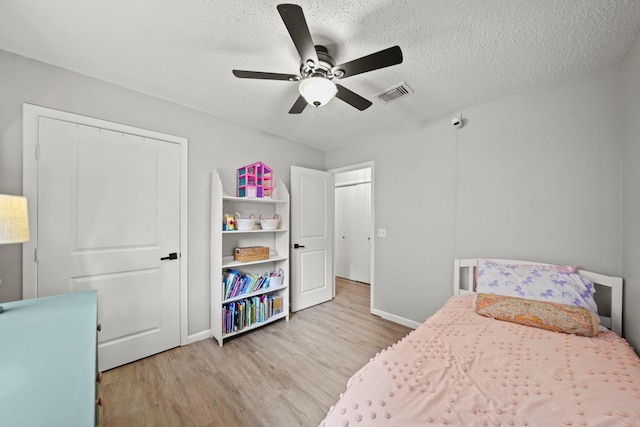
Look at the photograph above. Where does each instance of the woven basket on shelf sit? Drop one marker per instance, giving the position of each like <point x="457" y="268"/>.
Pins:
<point x="252" y="253"/>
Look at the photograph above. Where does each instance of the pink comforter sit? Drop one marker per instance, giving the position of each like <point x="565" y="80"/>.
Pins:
<point x="462" y="369"/>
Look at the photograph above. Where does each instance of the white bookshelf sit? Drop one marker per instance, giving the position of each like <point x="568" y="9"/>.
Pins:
<point x="223" y="244"/>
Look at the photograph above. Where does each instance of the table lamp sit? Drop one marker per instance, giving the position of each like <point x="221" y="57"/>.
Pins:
<point x="14" y="221"/>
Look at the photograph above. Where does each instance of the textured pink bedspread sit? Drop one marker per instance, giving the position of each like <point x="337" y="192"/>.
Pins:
<point x="462" y="369"/>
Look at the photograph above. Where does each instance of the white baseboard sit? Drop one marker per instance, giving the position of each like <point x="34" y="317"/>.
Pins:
<point x="198" y="337"/>
<point x="397" y="319"/>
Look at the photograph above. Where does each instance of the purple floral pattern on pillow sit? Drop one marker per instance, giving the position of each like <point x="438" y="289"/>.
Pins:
<point x="554" y="283"/>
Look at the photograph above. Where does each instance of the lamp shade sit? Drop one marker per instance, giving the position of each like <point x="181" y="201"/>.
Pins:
<point x="317" y="90"/>
<point x="14" y="221"/>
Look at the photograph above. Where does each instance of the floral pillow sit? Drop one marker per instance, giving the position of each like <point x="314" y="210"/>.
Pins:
<point x="560" y="284"/>
<point x="568" y="319"/>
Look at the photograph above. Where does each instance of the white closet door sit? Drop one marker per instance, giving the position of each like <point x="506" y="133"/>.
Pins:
<point x="353" y="244"/>
<point x="342" y="231"/>
<point x="108" y="211"/>
<point x="362" y="242"/>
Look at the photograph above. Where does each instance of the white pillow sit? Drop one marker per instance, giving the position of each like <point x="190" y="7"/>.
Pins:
<point x="556" y="283"/>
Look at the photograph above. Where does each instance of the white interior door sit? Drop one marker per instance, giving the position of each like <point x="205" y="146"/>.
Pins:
<point x="362" y="225"/>
<point x="312" y="235"/>
<point x="360" y="244"/>
<point x="342" y="222"/>
<point x="353" y="224"/>
<point x="108" y="211"/>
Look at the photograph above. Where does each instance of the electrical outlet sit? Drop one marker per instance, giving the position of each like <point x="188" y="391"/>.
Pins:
<point x="382" y="232"/>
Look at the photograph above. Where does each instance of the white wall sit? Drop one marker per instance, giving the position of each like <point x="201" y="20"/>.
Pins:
<point x="414" y="199"/>
<point x="213" y="143"/>
<point x="631" y="194"/>
<point x="539" y="176"/>
<point x="534" y="176"/>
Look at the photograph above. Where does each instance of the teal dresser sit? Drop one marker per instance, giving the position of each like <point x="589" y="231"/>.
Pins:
<point x="48" y="361"/>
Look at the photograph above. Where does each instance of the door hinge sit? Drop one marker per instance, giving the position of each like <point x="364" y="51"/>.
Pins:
<point x="38" y="152"/>
<point x="35" y="254"/>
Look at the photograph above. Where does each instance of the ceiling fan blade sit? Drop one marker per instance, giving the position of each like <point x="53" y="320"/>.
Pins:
<point x="375" y="61"/>
<point x="298" y="106"/>
<point x="293" y="18"/>
<point x="267" y="76"/>
<point x="352" y="98"/>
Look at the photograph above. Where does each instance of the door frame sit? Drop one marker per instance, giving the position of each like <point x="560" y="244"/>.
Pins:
<point x="31" y="114"/>
<point x="358" y="166"/>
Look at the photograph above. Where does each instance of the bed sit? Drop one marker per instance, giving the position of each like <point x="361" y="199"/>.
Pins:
<point x="461" y="368"/>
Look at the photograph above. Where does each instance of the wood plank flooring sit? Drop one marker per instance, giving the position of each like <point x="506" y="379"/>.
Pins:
<point x="285" y="374"/>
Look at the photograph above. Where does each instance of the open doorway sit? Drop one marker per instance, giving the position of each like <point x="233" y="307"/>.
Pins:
<point x="354" y="224"/>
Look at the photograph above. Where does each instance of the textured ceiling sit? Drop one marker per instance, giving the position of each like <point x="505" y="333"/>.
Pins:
<point x="457" y="53"/>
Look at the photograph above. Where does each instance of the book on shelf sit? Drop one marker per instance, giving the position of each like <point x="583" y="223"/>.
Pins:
<point x="237" y="315"/>
<point x="235" y="283"/>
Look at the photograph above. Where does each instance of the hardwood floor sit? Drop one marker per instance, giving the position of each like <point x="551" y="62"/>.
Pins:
<point x="285" y="374"/>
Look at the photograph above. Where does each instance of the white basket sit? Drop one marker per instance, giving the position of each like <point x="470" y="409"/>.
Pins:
<point x="277" y="280"/>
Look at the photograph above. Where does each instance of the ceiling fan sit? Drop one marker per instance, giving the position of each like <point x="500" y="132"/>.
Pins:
<point x="318" y="69"/>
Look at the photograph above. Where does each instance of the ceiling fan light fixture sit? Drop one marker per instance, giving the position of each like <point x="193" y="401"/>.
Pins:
<point x="318" y="68"/>
<point x="317" y="91"/>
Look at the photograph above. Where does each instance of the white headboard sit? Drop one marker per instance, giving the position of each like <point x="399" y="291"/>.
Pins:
<point x="464" y="283"/>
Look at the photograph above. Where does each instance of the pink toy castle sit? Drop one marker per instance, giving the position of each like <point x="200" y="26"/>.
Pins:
<point x="255" y="181"/>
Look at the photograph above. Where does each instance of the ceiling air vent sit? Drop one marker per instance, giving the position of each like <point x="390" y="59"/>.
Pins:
<point x="395" y="92"/>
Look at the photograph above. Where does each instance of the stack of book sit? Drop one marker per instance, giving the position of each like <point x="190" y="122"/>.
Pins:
<point x="240" y="314"/>
<point x="234" y="283"/>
